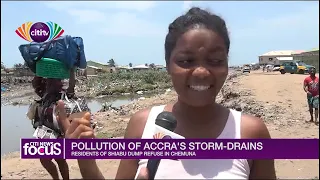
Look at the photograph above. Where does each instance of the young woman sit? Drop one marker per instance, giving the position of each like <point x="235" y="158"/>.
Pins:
<point x="48" y="90"/>
<point x="196" y="53"/>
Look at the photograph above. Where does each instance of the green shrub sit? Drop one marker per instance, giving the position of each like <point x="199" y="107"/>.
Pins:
<point x="129" y="82"/>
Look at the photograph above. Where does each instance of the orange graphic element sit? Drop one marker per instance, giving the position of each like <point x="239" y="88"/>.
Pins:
<point x="23" y="31"/>
<point x="158" y="135"/>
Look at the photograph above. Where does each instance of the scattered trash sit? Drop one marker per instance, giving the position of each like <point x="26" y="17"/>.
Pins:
<point x="3" y="89"/>
<point x="140" y="92"/>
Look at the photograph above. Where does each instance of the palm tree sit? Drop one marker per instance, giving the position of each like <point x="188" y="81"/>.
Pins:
<point x="19" y="65"/>
<point x="112" y="63"/>
<point x="152" y="65"/>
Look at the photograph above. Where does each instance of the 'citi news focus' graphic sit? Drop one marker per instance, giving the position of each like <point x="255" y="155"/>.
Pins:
<point x="39" y="148"/>
<point x="163" y="148"/>
<point x="39" y="31"/>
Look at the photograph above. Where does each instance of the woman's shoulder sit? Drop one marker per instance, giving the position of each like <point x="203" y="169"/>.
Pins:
<point x="138" y="121"/>
<point x="140" y="116"/>
<point x="253" y="127"/>
<point x="144" y="113"/>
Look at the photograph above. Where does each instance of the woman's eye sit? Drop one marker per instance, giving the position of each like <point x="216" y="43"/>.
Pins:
<point x="215" y="61"/>
<point x="185" y="61"/>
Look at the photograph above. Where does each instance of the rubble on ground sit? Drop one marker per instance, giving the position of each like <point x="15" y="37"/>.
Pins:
<point x="13" y="80"/>
<point x="114" y="120"/>
<point x="232" y="96"/>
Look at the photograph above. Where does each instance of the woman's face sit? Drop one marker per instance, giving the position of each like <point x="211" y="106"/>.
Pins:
<point x="54" y="85"/>
<point x="198" y="66"/>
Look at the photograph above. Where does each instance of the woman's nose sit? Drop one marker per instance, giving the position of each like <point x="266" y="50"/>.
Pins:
<point x="201" y="72"/>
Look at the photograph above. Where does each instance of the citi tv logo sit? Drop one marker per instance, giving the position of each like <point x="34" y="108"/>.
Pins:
<point x="39" y="31"/>
<point x="42" y="149"/>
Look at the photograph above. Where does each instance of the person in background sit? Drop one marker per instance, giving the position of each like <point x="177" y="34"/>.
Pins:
<point x="311" y="87"/>
<point x="269" y="68"/>
<point x="49" y="91"/>
<point x="196" y="54"/>
<point x="39" y="85"/>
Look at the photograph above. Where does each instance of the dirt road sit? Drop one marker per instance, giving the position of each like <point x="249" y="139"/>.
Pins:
<point x="287" y="92"/>
<point x="269" y="88"/>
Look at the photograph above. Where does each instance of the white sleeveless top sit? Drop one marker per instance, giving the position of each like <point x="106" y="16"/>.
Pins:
<point x="201" y="168"/>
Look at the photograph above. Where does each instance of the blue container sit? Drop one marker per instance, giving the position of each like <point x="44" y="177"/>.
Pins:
<point x="66" y="49"/>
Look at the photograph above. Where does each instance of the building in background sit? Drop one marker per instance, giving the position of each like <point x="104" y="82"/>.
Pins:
<point x="104" y="67"/>
<point x="124" y="68"/>
<point x="93" y="70"/>
<point x="81" y="72"/>
<point x="140" y="67"/>
<point x="160" y="67"/>
<point x="310" y="57"/>
<point x="277" y="57"/>
<point x="22" y="71"/>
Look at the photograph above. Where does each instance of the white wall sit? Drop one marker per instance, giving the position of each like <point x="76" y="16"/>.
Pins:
<point x="268" y="60"/>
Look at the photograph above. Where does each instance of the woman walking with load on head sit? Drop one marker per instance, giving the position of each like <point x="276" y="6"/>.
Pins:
<point x="49" y="90"/>
<point x="196" y="53"/>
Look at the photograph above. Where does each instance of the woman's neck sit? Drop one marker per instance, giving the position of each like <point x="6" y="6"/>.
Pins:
<point x="199" y="122"/>
<point x="196" y="109"/>
<point x="203" y="113"/>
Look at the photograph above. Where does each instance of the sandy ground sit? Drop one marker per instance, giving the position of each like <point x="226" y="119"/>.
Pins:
<point x="287" y="92"/>
<point x="270" y="89"/>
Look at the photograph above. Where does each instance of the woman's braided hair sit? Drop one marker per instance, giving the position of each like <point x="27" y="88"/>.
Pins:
<point x="194" y="18"/>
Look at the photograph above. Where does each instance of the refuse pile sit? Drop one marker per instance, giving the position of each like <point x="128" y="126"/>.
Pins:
<point x="13" y="80"/>
<point x="240" y="99"/>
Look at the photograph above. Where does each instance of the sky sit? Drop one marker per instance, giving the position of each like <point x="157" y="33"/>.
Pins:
<point x="134" y="31"/>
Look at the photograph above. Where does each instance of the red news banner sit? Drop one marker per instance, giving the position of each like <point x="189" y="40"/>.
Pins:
<point x="170" y="148"/>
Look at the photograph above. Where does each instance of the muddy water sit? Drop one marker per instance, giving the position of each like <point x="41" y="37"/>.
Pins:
<point x="15" y="125"/>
